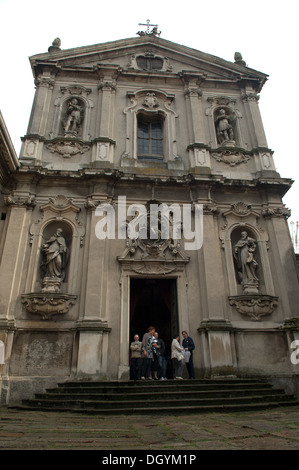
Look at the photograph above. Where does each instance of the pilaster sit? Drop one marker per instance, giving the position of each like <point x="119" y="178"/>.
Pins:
<point x="93" y="299"/>
<point x="198" y="156"/>
<point x="14" y="250"/>
<point x="250" y="100"/>
<point x="105" y="114"/>
<point x="92" y="324"/>
<point x="43" y="95"/>
<point x="215" y="295"/>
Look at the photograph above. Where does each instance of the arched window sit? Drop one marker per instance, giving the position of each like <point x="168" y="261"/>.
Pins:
<point x="150" y="137"/>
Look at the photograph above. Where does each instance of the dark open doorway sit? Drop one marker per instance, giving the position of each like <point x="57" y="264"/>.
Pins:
<point x="154" y="302"/>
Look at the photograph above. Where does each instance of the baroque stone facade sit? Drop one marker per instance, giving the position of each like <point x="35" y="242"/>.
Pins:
<point x="143" y="121"/>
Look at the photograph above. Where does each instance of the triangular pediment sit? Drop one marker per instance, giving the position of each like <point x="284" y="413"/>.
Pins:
<point x="121" y="55"/>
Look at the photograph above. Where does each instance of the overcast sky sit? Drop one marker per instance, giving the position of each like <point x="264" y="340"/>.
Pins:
<point x="264" y="31"/>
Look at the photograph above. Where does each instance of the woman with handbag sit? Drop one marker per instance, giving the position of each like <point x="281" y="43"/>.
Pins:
<point x="177" y="358"/>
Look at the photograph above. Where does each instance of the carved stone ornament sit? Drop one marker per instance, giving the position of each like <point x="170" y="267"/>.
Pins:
<point x="75" y="90"/>
<point x="254" y="306"/>
<point x="47" y="305"/>
<point x="152" y="268"/>
<point x="61" y="208"/>
<point x="67" y="147"/>
<point x="231" y="157"/>
<point x="150" y="101"/>
<point x="153" y="257"/>
<point x="278" y="212"/>
<point x="27" y="201"/>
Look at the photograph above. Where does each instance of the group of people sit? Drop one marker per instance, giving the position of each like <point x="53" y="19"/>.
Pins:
<point x="148" y="359"/>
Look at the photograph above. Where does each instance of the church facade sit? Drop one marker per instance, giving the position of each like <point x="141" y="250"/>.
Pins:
<point x="145" y="194"/>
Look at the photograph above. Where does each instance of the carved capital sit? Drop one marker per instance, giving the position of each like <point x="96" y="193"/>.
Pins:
<point x="249" y="96"/>
<point x="46" y="82"/>
<point x="192" y="92"/>
<point x="210" y="208"/>
<point x="279" y="212"/>
<point x="27" y="201"/>
<point x="107" y="85"/>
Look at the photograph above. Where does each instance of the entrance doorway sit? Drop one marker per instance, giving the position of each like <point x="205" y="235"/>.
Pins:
<point x="154" y="302"/>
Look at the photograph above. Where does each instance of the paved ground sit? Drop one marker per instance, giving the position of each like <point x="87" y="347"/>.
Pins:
<point x="275" y="429"/>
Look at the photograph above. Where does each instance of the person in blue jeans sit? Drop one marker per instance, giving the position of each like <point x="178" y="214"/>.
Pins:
<point x="161" y="357"/>
<point x="188" y="345"/>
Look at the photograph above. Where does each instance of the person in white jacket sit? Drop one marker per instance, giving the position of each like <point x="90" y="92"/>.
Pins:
<point x="177" y="357"/>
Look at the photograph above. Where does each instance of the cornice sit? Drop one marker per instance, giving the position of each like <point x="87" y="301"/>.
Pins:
<point x="127" y="46"/>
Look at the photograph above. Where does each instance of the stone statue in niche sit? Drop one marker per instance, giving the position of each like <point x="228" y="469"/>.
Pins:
<point x="244" y="251"/>
<point x="55" y="251"/>
<point x="74" y="117"/>
<point x="224" y="128"/>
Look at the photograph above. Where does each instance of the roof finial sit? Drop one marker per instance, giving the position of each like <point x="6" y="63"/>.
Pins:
<point x="239" y="59"/>
<point x="153" y="32"/>
<point x="55" y="45"/>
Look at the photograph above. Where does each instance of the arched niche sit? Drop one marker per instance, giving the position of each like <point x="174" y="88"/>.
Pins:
<point x="58" y="212"/>
<point x="72" y="116"/>
<point x="47" y="239"/>
<point x="213" y="112"/>
<point x="246" y="258"/>
<point x="62" y="107"/>
<point x="242" y="218"/>
<point x="224" y="120"/>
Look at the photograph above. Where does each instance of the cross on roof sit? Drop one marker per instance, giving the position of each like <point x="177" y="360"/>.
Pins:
<point x="148" y="24"/>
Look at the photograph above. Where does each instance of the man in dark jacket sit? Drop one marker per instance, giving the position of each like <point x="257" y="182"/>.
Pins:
<point x="188" y="345"/>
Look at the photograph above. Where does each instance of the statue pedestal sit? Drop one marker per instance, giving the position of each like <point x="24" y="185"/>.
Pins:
<point x="228" y="143"/>
<point x="250" y="287"/>
<point x="51" y="285"/>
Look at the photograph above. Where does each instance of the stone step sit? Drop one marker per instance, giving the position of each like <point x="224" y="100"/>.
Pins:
<point x="85" y="403"/>
<point x="150" y="383"/>
<point x="154" y="385"/>
<point x="159" y="396"/>
<point x="212" y="408"/>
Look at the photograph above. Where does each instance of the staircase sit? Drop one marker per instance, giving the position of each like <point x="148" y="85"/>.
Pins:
<point x="171" y="396"/>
